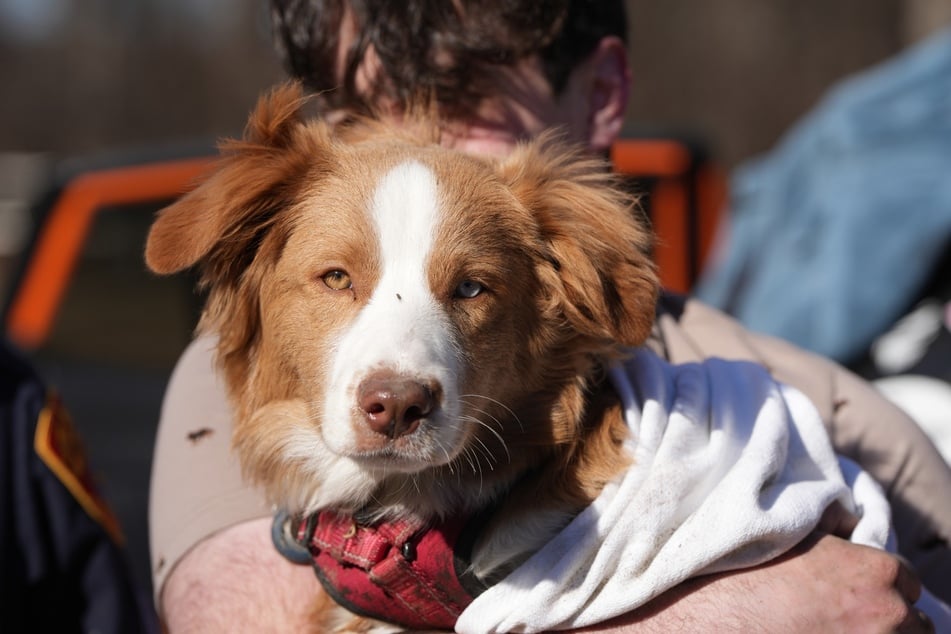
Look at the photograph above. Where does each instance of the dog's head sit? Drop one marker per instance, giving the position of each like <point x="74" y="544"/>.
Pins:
<point x="396" y="319"/>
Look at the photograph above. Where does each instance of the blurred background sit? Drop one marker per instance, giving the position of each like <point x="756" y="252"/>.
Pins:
<point x="93" y="80"/>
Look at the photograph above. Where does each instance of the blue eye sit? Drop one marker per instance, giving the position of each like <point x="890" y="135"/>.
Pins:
<point x="468" y="289"/>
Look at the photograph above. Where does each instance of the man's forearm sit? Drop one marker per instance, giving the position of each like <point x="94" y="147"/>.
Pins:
<point x="825" y="584"/>
<point x="235" y="581"/>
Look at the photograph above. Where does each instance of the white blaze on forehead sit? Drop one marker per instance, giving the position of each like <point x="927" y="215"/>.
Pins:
<point x="405" y="211"/>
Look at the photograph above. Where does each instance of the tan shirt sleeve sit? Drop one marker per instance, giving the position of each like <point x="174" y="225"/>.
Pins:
<point x="196" y="487"/>
<point x="863" y="425"/>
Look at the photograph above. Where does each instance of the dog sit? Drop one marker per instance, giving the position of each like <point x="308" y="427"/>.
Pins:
<point x="413" y="334"/>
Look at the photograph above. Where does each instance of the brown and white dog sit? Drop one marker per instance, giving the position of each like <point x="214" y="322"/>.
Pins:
<point x="412" y="334"/>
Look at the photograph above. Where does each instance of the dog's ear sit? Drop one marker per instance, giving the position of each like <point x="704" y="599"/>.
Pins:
<point x="600" y="271"/>
<point x="231" y="206"/>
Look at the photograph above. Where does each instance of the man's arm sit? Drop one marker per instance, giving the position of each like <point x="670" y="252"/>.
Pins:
<point x="236" y="581"/>
<point x="825" y="584"/>
<point x="862" y="424"/>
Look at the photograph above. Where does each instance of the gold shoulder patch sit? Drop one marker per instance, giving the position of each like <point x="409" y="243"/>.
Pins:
<point x="59" y="446"/>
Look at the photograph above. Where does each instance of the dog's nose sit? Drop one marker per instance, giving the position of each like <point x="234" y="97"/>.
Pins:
<point x="394" y="405"/>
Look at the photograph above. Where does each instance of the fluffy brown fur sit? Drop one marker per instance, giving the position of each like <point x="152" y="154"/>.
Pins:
<point x="547" y="229"/>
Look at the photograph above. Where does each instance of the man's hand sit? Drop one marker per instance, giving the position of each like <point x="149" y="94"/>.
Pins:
<point x="825" y="584"/>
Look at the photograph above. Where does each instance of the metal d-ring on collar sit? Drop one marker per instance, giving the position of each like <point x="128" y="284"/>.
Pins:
<point x="285" y="540"/>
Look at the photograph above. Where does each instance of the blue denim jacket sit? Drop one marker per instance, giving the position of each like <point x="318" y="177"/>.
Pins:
<point x="832" y="235"/>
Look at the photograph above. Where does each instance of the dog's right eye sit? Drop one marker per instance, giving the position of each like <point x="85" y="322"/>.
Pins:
<point x="337" y="280"/>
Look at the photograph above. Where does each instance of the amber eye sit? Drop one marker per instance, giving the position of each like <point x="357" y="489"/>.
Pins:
<point x="337" y="280"/>
<point x="468" y="289"/>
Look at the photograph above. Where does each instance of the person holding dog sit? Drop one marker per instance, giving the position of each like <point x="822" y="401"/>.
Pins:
<point x="500" y="72"/>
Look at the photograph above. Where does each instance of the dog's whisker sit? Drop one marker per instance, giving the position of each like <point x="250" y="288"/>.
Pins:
<point x="473" y="464"/>
<point x="472" y="455"/>
<point x="487" y="414"/>
<point x="491" y="459"/>
<point x="485" y="451"/>
<point x="508" y="409"/>
<point x="449" y="461"/>
<point x="375" y="499"/>
<point x="497" y="435"/>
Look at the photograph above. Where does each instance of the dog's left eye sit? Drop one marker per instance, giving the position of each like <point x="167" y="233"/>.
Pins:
<point x="468" y="289"/>
<point x="337" y="280"/>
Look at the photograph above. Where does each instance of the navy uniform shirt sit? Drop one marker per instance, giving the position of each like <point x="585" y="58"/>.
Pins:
<point x="61" y="566"/>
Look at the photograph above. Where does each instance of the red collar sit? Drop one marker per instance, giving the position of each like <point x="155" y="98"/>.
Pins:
<point x="404" y="572"/>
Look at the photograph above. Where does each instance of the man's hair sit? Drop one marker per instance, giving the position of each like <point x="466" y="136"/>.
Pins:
<point x="447" y="50"/>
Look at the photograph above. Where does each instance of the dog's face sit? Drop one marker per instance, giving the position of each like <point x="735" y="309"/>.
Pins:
<point x="397" y="321"/>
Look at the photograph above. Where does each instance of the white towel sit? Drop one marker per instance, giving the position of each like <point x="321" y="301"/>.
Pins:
<point x="731" y="469"/>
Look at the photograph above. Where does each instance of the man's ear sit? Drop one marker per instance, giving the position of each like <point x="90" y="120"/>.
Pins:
<point x="610" y="92"/>
<point x="600" y="88"/>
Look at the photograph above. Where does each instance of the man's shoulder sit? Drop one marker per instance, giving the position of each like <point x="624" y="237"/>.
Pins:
<point x="688" y="330"/>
